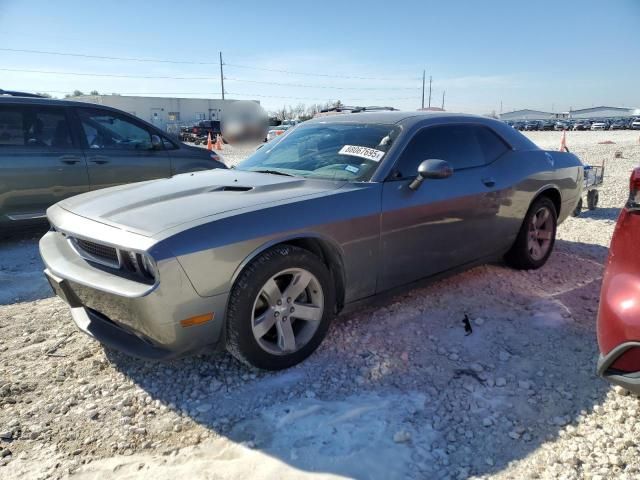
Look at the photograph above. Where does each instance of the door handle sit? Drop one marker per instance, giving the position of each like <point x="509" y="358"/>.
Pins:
<point x="489" y="181"/>
<point x="69" y="160"/>
<point x="99" y="162"/>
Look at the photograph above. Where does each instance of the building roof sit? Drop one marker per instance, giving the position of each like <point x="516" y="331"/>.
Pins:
<point x="595" y="109"/>
<point x="526" y="111"/>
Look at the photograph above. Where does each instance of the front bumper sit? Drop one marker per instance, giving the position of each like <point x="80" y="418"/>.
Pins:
<point x="139" y="319"/>
<point x="627" y="380"/>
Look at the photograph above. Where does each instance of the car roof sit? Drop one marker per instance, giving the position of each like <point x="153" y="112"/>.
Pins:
<point x="387" y="117"/>
<point x="8" y="99"/>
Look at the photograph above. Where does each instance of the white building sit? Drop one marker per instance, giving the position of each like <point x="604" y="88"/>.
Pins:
<point x="163" y="111"/>
<point x="526" y="115"/>
<point x="593" y="112"/>
<point x="602" y="112"/>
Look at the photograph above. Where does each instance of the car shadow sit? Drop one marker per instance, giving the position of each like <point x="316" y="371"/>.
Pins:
<point x="403" y="388"/>
<point x="605" y="213"/>
<point x="21" y="277"/>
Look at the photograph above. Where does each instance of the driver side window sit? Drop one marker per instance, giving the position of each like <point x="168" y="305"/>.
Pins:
<point x="107" y="130"/>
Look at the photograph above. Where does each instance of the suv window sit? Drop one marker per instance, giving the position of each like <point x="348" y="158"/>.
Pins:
<point x="108" y="130"/>
<point x="32" y="126"/>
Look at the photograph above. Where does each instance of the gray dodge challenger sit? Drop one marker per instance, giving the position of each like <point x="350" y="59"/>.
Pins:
<point x="260" y="257"/>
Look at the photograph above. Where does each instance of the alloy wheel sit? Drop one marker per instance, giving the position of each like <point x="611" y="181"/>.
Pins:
<point x="287" y="311"/>
<point x="540" y="233"/>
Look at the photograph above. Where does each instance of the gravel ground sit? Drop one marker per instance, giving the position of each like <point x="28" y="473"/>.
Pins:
<point x="397" y="390"/>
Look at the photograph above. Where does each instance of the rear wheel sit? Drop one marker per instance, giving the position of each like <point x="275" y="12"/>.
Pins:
<point x="280" y="308"/>
<point x="536" y="237"/>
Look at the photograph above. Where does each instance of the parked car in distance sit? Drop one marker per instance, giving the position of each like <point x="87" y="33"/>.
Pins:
<point x="260" y="257"/>
<point x="635" y="124"/>
<point x="619" y="308"/>
<point x="276" y="131"/>
<point x="560" y="126"/>
<point x="620" y="124"/>
<point x="582" y="125"/>
<point x="600" y="125"/>
<point x="518" y="125"/>
<point x="531" y="125"/>
<point x="546" y="125"/>
<point x="52" y="149"/>
<point x="206" y="127"/>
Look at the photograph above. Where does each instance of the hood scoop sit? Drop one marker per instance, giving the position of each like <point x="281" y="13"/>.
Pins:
<point x="233" y="188"/>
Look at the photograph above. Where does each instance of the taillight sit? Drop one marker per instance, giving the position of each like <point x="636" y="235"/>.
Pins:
<point x="634" y="190"/>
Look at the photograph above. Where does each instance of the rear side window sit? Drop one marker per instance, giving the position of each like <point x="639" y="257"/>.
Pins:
<point x="32" y="126"/>
<point x="11" y="131"/>
<point x="492" y="145"/>
<point x="107" y="130"/>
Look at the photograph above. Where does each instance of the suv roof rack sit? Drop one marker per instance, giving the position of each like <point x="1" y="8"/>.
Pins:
<point x="12" y="93"/>
<point x="357" y="109"/>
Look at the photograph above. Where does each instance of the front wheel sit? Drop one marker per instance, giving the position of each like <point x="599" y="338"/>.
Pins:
<point x="536" y="238"/>
<point x="280" y="308"/>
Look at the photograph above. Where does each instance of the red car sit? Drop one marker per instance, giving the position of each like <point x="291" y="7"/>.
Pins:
<point x="619" y="313"/>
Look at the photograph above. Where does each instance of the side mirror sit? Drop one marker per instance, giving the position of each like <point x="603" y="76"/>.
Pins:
<point x="433" y="170"/>
<point x="156" y="143"/>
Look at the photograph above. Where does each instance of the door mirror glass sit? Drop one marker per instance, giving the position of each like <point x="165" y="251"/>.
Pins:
<point x="156" y="143"/>
<point x="431" y="169"/>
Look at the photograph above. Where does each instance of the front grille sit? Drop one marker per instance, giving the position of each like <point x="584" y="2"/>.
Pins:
<point x="97" y="252"/>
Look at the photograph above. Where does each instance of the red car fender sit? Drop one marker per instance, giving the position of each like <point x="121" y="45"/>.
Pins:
<point x="619" y="309"/>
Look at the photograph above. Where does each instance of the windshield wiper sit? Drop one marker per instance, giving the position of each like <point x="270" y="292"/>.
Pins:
<point x="274" y="172"/>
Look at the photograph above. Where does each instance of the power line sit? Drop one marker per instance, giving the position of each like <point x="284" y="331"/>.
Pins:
<point x="104" y="57"/>
<point x="316" y="86"/>
<point x="189" y="62"/>
<point x="234" y="93"/>
<point x="165" y="77"/>
<point x="110" y="75"/>
<point x="289" y="72"/>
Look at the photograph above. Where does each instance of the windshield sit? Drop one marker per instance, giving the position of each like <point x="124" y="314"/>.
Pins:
<point x="335" y="151"/>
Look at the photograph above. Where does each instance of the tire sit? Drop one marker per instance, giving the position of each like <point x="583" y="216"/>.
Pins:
<point x="280" y="264"/>
<point x="521" y="255"/>
<point x="578" y="210"/>
<point x="592" y="199"/>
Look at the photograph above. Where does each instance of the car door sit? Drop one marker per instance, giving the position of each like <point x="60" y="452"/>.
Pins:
<point x="118" y="149"/>
<point x="447" y="222"/>
<point x="40" y="160"/>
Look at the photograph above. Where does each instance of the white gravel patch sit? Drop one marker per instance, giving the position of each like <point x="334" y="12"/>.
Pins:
<point x="396" y="390"/>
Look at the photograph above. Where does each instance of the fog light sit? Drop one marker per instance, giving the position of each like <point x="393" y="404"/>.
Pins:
<point x="197" y="320"/>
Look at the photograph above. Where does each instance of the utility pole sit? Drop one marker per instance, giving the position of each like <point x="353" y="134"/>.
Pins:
<point x="500" y="106"/>
<point x="423" y="72"/>
<point x="443" y="92"/>
<point x="429" y="91"/>
<point x="221" y="76"/>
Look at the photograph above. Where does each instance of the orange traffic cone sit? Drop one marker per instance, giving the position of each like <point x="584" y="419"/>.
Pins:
<point x="209" y="142"/>
<point x="218" y="142"/>
<point x="563" y="142"/>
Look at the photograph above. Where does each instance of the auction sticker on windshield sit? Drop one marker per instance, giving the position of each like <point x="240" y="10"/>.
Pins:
<point x="363" y="152"/>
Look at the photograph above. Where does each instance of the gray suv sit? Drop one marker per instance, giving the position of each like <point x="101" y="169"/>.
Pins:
<point x="52" y="149"/>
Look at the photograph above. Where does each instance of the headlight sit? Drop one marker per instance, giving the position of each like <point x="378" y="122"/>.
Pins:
<point x="149" y="266"/>
<point x="142" y="264"/>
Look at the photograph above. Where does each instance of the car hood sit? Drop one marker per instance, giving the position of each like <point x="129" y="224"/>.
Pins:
<point x="148" y="208"/>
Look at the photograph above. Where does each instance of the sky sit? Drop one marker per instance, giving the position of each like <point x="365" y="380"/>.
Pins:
<point x="487" y="55"/>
